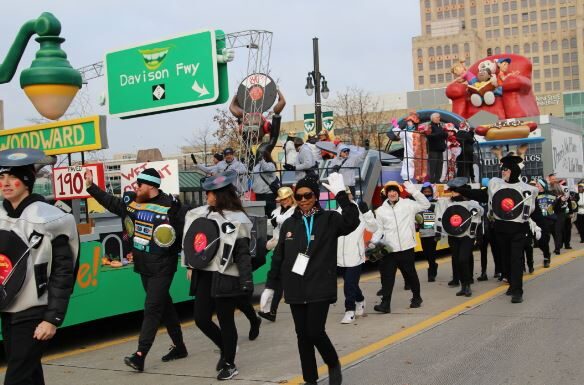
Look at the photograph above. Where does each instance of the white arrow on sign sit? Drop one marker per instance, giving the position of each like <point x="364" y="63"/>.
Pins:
<point x="201" y="90"/>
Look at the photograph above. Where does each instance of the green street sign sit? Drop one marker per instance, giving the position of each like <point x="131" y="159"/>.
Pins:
<point x="167" y="75"/>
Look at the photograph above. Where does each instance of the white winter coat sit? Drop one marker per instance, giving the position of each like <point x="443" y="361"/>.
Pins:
<point x="351" y="248"/>
<point x="396" y="224"/>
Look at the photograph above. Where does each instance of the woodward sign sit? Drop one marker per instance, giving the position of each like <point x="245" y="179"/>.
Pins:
<point x="63" y="137"/>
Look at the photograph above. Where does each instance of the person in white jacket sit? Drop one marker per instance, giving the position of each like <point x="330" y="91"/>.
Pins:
<point x="350" y="259"/>
<point x="279" y="215"/>
<point x="396" y="219"/>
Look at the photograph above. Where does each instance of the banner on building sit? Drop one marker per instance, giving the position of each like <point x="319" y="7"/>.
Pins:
<point x="168" y="170"/>
<point x="567" y="154"/>
<point x="328" y="123"/>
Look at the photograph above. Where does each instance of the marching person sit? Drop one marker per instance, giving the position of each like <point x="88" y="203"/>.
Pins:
<point x="396" y="219"/>
<point x="461" y="244"/>
<point x="264" y="177"/>
<point x="305" y="164"/>
<point x="546" y="203"/>
<point x="41" y="244"/>
<point x="348" y="165"/>
<point x="279" y="215"/>
<point x="218" y="287"/>
<point x="154" y="221"/>
<point x="350" y="259"/>
<point x="427" y="232"/>
<point x="304" y="263"/>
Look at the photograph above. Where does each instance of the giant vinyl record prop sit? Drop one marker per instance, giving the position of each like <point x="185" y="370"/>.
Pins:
<point x="201" y="243"/>
<point x="257" y="90"/>
<point x="504" y="201"/>
<point x="11" y="249"/>
<point x="455" y="220"/>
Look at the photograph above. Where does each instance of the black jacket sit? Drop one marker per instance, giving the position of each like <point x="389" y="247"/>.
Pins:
<point x="466" y="140"/>
<point x="437" y="138"/>
<point x="319" y="282"/>
<point x="62" y="278"/>
<point x="147" y="263"/>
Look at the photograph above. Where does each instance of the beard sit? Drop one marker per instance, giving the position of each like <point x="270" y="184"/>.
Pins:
<point x="142" y="197"/>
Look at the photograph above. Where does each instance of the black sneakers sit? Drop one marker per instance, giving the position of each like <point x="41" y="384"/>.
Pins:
<point x="227" y="372"/>
<point x="416" y="302"/>
<point x="175" y="353"/>
<point x="482" y="277"/>
<point x="254" y="329"/>
<point x="220" y="364"/>
<point x="383" y="307"/>
<point x="335" y="375"/>
<point x="269" y="316"/>
<point x="135" y="361"/>
<point x="546" y="263"/>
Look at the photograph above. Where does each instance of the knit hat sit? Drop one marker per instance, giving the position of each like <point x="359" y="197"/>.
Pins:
<point x="427" y="185"/>
<point x="25" y="173"/>
<point x="150" y="177"/>
<point x="311" y="182"/>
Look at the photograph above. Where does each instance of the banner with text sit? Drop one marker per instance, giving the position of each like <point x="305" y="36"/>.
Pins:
<point x="567" y="154"/>
<point x="168" y="170"/>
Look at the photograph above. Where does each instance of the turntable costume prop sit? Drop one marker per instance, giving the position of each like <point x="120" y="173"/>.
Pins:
<point x="39" y="246"/>
<point x="217" y="250"/>
<point x="459" y="219"/>
<point x="154" y="229"/>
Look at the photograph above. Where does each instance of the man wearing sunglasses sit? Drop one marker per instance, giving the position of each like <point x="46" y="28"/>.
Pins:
<point x="154" y="222"/>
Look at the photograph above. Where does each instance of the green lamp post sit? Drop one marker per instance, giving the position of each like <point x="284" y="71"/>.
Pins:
<point x="50" y="83"/>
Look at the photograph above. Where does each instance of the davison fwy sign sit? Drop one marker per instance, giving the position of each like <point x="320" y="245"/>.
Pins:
<point x="165" y="75"/>
<point x="168" y="170"/>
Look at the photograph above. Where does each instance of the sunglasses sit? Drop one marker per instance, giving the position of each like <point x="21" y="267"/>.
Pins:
<point x="307" y="196"/>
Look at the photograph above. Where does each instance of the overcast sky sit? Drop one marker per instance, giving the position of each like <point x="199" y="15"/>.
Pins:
<point x="362" y="43"/>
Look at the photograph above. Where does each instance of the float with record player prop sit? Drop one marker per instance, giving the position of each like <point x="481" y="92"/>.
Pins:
<point x="26" y="241"/>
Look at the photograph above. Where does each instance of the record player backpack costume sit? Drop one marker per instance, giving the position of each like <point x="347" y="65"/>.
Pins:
<point x="39" y="246"/>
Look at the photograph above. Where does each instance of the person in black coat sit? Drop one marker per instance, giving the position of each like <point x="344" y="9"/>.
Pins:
<point x="305" y="262"/>
<point x="464" y="161"/>
<point x="436" y="147"/>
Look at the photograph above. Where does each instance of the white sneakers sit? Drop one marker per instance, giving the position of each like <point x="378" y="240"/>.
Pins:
<point x="350" y="316"/>
<point x="360" y="308"/>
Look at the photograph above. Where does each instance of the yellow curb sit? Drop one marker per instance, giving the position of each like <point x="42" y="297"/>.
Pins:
<point x="359" y="354"/>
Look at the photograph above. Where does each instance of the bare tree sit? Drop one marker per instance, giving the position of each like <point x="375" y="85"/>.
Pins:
<point x="203" y="139"/>
<point x="227" y="132"/>
<point x="359" y="115"/>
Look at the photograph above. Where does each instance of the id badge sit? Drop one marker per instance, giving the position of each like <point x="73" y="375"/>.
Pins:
<point x="300" y="264"/>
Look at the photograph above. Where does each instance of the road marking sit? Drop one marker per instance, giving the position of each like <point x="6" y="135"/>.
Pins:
<point x="360" y="354"/>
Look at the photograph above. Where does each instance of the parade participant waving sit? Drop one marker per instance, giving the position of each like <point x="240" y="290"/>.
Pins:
<point x="348" y="165"/>
<point x="220" y="279"/>
<point x="279" y="215"/>
<point x="350" y="259"/>
<point x="39" y="247"/>
<point x="153" y="221"/>
<point x="396" y="219"/>
<point x="304" y="262"/>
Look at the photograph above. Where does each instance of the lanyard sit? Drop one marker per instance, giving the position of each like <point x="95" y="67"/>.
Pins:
<point x="308" y="230"/>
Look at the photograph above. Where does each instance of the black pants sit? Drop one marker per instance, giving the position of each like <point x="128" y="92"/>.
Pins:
<point x="353" y="293"/>
<point x="278" y="293"/>
<point x="461" y="248"/>
<point x="529" y="252"/>
<point x="580" y="226"/>
<point x="435" y="162"/>
<point x="270" y="200"/>
<point x="223" y="336"/>
<point x="511" y="245"/>
<point x="567" y="238"/>
<point x="544" y="240"/>
<point x="559" y="231"/>
<point x="388" y="266"/>
<point x="23" y="352"/>
<point x="245" y="306"/>
<point x="310" y="322"/>
<point x="429" y="250"/>
<point x="158" y="308"/>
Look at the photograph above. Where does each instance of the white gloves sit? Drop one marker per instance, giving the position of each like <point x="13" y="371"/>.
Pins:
<point x="266" y="300"/>
<point x="335" y="183"/>
<point x="271" y="244"/>
<point x="410" y="187"/>
<point x="227" y="55"/>
<point x="535" y="230"/>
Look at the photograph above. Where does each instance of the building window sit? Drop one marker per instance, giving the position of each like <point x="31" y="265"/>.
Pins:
<point x="439" y="64"/>
<point x="533" y="28"/>
<point x="537" y="87"/>
<point x="432" y="79"/>
<point x="555" y="59"/>
<point x="473" y="10"/>
<point x="466" y="47"/>
<point x="440" y="78"/>
<point x="487" y="22"/>
<point x="566" y="57"/>
<point x="514" y="18"/>
<point x="495" y="8"/>
<point x="545" y="27"/>
<point x="447" y="63"/>
<point x="575" y="70"/>
<point x="535" y="60"/>
<point x="420" y="80"/>
<point x="515" y="31"/>
<point x="552" y="13"/>
<point x="536" y="74"/>
<point x="567" y="85"/>
<point x="513" y="5"/>
<point x="556" y="85"/>
<point x="454" y="48"/>
<point x="564" y="24"/>
<point x="487" y="9"/>
<point x="544" y="14"/>
<point x="507" y="32"/>
<point x="489" y="34"/>
<point x="565" y="44"/>
<point x="448" y="77"/>
<point x="548" y="86"/>
<point x="516" y="49"/>
<point x="576" y="84"/>
<point x="420" y="52"/>
<point x="567" y="71"/>
<point x="428" y="29"/>
<point x="525" y="17"/>
<point x="505" y="7"/>
<point x="506" y="19"/>
<point x="546" y="46"/>
<point x="546" y="59"/>
<point x="532" y="16"/>
<point x="497" y="50"/>
<point x="431" y="51"/>
<point x="563" y="11"/>
<point x="524" y="4"/>
<point x="497" y="33"/>
<point x="526" y="48"/>
<point x="573" y="43"/>
<point x="525" y="29"/>
<point x="432" y="65"/>
<point x="572" y="24"/>
<point x="446" y="50"/>
<point x="556" y="72"/>
<point x="574" y="57"/>
<point x="495" y="20"/>
<point x="543" y="2"/>
<point x="507" y="49"/>
<point x="420" y="66"/>
<point x="428" y="17"/>
<point x="572" y="11"/>
<point x="547" y="73"/>
<point x="473" y="23"/>
<point x="553" y="26"/>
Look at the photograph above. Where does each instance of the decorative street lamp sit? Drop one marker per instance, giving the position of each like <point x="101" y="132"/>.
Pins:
<point x="315" y="76"/>
<point x="50" y="83"/>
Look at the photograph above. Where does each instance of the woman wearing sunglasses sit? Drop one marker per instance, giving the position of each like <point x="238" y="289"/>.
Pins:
<point x="305" y="263"/>
<point x="218" y="289"/>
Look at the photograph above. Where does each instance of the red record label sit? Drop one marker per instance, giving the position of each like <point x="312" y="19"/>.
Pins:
<point x="200" y="242"/>
<point x="5" y="267"/>
<point x="455" y="220"/>
<point x="507" y="204"/>
<point x="256" y="92"/>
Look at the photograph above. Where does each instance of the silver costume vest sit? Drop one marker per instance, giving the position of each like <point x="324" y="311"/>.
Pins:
<point x="513" y="202"/>
<point x="458" y="219"/>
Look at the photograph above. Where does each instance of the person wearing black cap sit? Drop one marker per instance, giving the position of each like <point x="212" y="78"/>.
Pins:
<point x="396" y="221"/>
<point x="39" y="246"/>
<point x="305" y="164"/>
<point x="220" y="282"/>
<point x="425" y="220"/>
<point x="459" y="238"/>
<point x="154" y="222"/>
<point x="305" y="263"/>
